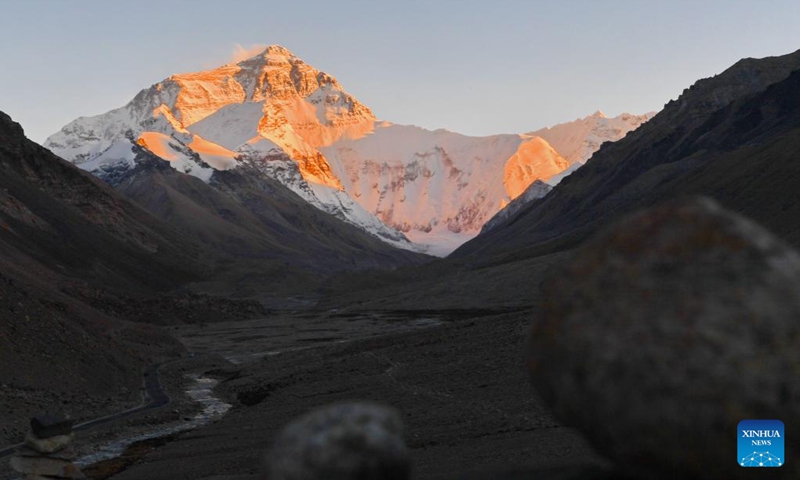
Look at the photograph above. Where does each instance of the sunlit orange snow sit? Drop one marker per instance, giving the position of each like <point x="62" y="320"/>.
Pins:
<point x="303" y="108"/>
<point x="218" y="157"/>
<point x="158" y="143"/>
<point x="534" y="160"/>
<point x="274" y="104"/>
<point x="203" y="93"/>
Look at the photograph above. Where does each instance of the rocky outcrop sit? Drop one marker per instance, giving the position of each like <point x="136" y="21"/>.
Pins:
<point x="665" y="331"/>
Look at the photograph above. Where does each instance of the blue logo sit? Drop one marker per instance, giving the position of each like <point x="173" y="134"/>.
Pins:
<point x="761" y="443"/>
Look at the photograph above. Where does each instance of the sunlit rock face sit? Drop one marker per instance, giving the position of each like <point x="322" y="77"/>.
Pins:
<point x="437" y="187"/>
<point x="271" y="110"/>
<point x="282" y="99"/>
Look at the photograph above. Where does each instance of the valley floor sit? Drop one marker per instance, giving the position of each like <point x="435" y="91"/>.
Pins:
<point x="461" y="388"/>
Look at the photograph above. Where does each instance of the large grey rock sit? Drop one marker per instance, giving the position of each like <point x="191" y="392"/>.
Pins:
<point x="341" y="442"/>
<point x="665" y="331"/>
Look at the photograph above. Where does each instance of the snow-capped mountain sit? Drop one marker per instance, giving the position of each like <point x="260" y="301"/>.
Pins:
<point x="271" y="110"/>
<point x="296" y="124"/>
<point x="578" y="140"/>
<point x="439" y="187"/>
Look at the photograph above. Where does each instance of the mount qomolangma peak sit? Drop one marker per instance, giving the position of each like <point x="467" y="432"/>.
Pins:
<point x="270" y="111"/>
<point x="286" y="120"/>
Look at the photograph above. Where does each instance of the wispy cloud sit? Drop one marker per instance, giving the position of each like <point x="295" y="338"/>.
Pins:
<point x="243" y="53"/>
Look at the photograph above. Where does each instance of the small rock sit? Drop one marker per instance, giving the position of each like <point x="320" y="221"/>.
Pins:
<point x="50" y="467"/>
<point x="48" y="445"/>
<point x="665" y="331"/>
<point x="67" y="453"/>
<point x="340" y="442"/>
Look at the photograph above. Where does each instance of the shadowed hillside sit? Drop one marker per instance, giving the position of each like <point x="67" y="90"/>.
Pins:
<point x="733" y="137"/>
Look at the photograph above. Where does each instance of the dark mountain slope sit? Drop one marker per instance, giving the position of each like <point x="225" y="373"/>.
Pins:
<point x="58" y="354"/>
<point x="265" y="234"/>
<point x="731" y="137"/>
<point x="72" y="224"/>
<point x="62" y="232"/>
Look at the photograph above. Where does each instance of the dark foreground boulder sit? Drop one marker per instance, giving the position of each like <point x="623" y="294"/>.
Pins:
<point x="341" y="442"/>
<point x="665" y="331"/>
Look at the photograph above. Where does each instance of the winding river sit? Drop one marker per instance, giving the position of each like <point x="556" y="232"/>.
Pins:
<point x="201" y="390"/>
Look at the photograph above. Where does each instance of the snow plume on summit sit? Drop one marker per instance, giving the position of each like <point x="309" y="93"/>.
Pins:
<point x="287" y="120"/>
<point x="241" y="53"/>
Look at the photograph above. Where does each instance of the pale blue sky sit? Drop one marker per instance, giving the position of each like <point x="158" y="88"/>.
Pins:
<point x="475" y="67"/>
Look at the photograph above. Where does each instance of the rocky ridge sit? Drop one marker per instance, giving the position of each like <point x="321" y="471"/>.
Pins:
<point x="730" y="137"/>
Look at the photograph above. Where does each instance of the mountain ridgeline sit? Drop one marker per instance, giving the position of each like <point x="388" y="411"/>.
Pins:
<point x="732" y="137"/>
